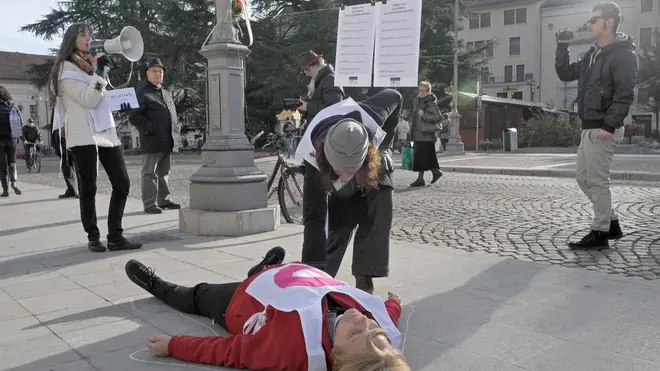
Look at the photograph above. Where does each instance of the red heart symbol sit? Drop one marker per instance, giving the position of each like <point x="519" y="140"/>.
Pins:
<point x="304" y="275"/>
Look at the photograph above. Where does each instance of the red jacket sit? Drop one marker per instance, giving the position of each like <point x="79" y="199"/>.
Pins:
<point x="279" y="345"/>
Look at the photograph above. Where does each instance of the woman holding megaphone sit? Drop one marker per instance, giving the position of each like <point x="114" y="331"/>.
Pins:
<point x="82" y="112"/>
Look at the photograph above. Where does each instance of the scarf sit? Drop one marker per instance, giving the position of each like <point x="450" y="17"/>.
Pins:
<point x="85" y="61"/>
<point x="312" y="84"/>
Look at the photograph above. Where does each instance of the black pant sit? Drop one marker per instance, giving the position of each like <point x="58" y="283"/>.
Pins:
<point x="29" y="147"/>
<point x="67" y="167"/>
<point x="7" y="162"/>
<point x="112" y="160"/>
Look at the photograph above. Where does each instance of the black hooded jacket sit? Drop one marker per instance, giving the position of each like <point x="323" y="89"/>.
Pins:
<point x="606" y="81"/>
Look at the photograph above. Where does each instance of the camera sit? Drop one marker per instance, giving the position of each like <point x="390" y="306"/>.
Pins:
<point x="291" y="103"/>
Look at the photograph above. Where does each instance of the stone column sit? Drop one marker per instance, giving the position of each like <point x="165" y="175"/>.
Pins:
<point x="455" y="143"/>
<point x="228" y="193"/>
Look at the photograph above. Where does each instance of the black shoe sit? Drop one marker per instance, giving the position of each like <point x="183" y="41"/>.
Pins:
<point x="437" y="174"/>
<point x="96" y="246"/>
<point x="418" y="183"/>
<point x="595" y="240"/>
<point x="153" y="210"/>
<point x="4" y="193"/>
<point x="16" y="190"/>
<point x="171" y="206"/>
<point x="123" y="244"/>
<point x="615" y="230"/>
<point x="141" y="275"/>
<point x="273" y="256"/>
<point x="68" y="194"/>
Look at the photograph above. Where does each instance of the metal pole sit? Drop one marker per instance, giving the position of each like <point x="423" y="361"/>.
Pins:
<point x="476" y="135"/>
<point x="455" y="144"/>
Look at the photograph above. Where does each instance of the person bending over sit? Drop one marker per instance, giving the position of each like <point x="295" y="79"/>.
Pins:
<point x="282" y="317"/>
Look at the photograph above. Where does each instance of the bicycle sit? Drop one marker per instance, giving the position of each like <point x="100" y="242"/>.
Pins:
<point x="290" y="180"/>
<point x="35" y="159"/>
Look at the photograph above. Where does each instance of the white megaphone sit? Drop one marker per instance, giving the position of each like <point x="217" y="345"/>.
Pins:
<point x="129" y="44"/>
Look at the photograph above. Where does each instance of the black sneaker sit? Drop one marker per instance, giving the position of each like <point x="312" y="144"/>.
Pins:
<point x="153" y="210"/>
<point x="615" y="230"/>
<point x="16" y="190"/>
<point x="595" y="240"/>
<point x="96" y="246"/>
<point x="123" y="244"/>
<point x="418" y="183"/>
<point x="141" y="275"/>
<point x="437" y="174"/>
<point x="170" y="206"/>
<point x="4" y="193"/>
<point x="273" y="256"/>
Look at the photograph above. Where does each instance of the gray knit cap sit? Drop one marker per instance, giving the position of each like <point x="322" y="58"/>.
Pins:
<point x="346" y="146"/>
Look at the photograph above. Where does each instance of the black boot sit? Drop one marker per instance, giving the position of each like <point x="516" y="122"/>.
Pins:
<point x="4" y="193"/>
<point x="595" y="240"/>
<point x="437" y="174"/>
<point x="615" y="230"/>
<point x="16" y="190"/>
<point x="121" y="243"/>
<point x="141" y="275"/>
<point x="419" y="182"/>
<point x="96" y="246"/>
<point x="273" y="256"/>
<point x="365" y="283"/>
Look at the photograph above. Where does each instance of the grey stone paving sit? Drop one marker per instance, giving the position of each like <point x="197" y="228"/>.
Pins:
<point x="529" y="218"/>
<point x="63" y="308"/>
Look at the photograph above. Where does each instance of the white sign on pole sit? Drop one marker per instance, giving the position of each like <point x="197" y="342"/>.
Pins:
<point x="397" y="43"/>
<point x="355" y="45"/>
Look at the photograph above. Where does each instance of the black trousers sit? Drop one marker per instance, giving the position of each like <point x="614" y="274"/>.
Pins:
<point x="112" y="159"/>
<point x="7" y="162"/>
<point x="67" y="164"/>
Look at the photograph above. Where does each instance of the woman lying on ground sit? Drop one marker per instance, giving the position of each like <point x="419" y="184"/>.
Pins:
<point x="282" y="317"/>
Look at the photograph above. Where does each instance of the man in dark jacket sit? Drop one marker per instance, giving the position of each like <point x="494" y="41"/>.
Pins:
<point x="606" y="82"/>
<point x="31" y="137"/>
<point x="321" y="91"/>
<point x="159" y="129"/>
<point x="7" y="144"/>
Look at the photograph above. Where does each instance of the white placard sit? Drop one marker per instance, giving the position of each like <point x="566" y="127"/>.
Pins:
<point x="397" y="43"/>
<point x="355" y="45"/>
<point x="118" y="96"/>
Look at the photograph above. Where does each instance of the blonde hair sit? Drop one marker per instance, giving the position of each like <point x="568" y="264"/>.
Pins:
<point x="425" y="84"/>
<point x="374" y="360"/>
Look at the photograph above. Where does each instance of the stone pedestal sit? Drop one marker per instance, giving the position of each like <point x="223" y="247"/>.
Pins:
<point x="455" y="143"/>
<point x="228" y="193"/>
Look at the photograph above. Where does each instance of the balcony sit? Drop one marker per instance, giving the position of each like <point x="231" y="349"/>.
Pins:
<point x="515" y="80"/>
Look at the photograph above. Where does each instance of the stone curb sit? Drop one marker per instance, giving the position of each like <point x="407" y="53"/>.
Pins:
<point x="553" y="173"/>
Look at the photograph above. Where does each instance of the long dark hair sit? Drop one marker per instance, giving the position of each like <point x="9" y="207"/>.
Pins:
<point x="64" y="54"/>
<point x="5" y="96"/>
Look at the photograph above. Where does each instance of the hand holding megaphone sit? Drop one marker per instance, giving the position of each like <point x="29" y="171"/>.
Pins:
<point x="129" y="44"/>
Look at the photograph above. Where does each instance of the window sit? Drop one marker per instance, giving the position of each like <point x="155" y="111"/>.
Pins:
<point x="478" y="45"/>
<point x="508" y="73"/>
<point x="520" y="73"/>
<point x="645" y="37"/>
<point x="515" y="16"/>
<point x="516" y="95"/>
<point x="489" y="51"/>
<point x="485" y="75"/>
<point x="471" y="45"/>
<point x="479" y="20"/>
<point x="514" y="46"/>
<point x="503" y="95"/>
<point x="647" y="5"/>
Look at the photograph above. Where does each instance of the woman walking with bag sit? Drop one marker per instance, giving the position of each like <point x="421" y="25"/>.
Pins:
<point x="78" y="90"/>
<point x="425" y="126"/>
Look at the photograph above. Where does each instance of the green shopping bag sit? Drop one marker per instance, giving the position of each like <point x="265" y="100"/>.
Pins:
<point x="408" y="157"/>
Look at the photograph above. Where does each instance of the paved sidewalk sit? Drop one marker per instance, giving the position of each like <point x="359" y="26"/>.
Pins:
<point x="63" y="308"/>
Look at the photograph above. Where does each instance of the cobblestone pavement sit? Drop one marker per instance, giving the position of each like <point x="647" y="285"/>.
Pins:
<point x="528" y="218"/>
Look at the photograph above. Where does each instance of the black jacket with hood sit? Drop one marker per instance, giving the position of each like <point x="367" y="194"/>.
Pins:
<point x="606" y="81"/>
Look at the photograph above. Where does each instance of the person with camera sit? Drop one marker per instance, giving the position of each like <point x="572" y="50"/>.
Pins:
<point x="321" y="91"/>
<point x="78" y="88"/>
<point x="7" y="144"/>
<point x="348" y="185"/>
<point x="31" y="139"/>
<point x="606" y="83"/>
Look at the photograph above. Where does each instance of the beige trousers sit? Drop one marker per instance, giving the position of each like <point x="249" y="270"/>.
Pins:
<point x="594" y="157"/>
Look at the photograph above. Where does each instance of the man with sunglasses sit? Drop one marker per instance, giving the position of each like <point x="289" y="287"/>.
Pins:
<point x="606" y="82"/>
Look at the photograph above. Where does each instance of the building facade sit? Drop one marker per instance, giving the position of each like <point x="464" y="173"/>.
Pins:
<point x="522" y="61"/>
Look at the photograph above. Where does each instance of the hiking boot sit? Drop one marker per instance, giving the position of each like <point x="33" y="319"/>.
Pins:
<point x="96" y="246"/>
<point x="273" y="256"/>
<point x="615" y="230"/>
<point x="141" y="275"/>
<point x="437" y="174"/>
<point x="594" y="240"/>
<point x="123" y="244"/>
<point x="418" y="183"/>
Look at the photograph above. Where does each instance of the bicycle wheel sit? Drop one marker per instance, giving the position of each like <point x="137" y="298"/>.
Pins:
<point x="290" y="196"/>
<point x="37" y="163"/>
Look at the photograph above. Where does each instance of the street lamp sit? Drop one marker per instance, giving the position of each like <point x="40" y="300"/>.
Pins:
<point x="455" y="144"/>
<point x="228" y="193"/>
